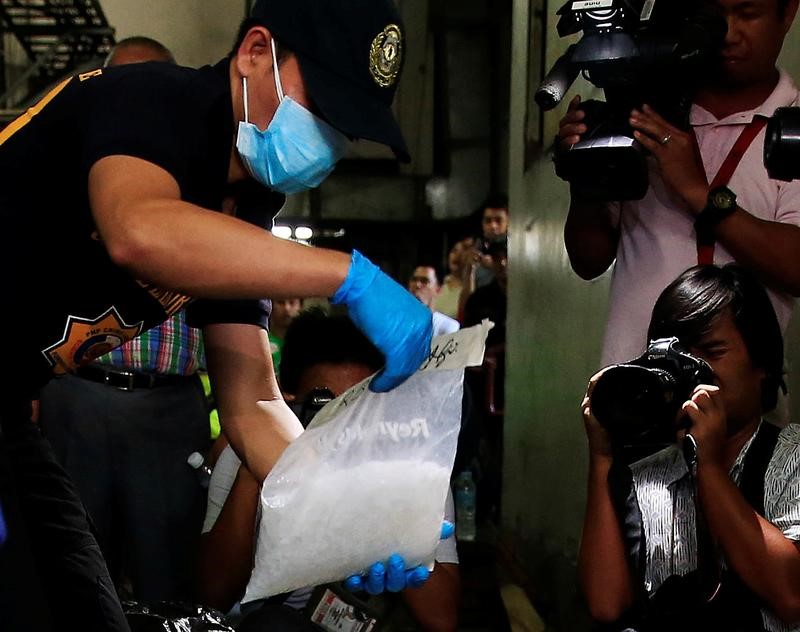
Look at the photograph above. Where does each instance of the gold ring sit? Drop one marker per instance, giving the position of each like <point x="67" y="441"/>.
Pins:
<point x="666" y="139"/>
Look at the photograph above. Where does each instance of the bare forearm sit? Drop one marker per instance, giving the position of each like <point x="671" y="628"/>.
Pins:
<point x="590" y="238"/>
<point x="258" y="437"/>
<point x="602" y="562"/>
<point x="772" y="249"/>
<point x="255" y="419"/>
<point x="467" y="288"/>
<point x="207" y="254"/>
<point x="226" y="552"/>
<point x="754" y="548"/>
<point x="435" y="604"/>
<point x="150" y="231"/>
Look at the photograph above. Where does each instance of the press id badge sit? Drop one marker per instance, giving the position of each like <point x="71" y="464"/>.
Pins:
<point x="335" y="615"/>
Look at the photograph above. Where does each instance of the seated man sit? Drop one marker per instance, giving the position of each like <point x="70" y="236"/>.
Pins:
<point x="323" y="356"/>
<point x="424" y="284"/>
<point x="713" y="546"/>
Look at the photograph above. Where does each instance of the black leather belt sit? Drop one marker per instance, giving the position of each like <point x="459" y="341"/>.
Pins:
<point x="129" y="380"/>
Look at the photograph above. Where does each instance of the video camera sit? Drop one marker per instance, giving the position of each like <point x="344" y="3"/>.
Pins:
<point x="638" y="402"/>
<point x="782" y="144"/>
<point x="637" y="51"/>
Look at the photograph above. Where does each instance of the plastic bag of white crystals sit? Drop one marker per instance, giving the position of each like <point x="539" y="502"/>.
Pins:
<point x="368" y="477"/>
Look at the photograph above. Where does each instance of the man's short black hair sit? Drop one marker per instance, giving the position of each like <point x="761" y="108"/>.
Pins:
<point x="495" y="200"/>
<point x="436" y="270"/>
<point x="315" y="337"/>
<point x="141" y="41"/>
<point x="690" y="306"/>
<point x="244" y="29"/>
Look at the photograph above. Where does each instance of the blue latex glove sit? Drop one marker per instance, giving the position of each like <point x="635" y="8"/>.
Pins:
<point x="392" y="318"/>
<point x="393" y="576"/>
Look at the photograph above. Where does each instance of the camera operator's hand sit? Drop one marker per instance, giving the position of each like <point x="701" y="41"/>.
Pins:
<point x="470" y="258"/>
<point x="570" y="127"/>
<point x="706" y="412"/>
<point x="599" y="441"/>
<point x="674" y="149"/>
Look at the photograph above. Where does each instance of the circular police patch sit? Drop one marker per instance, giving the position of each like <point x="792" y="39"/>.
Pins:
<point x="386" y="55"/>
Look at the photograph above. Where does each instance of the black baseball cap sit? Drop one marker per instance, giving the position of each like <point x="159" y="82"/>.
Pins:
<point x="351" y="54"/>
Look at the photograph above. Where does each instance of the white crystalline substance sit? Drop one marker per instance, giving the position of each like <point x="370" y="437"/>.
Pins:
<point x="309" y="534"/>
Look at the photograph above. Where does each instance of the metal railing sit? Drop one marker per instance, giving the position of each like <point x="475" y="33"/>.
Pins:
<point x="58" y="37"/>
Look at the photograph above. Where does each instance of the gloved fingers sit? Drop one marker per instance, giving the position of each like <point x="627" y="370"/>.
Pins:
<point x="400" y="366"/>
<point x="354" y="583"/>
<point x="448" y="529"/>
<point x="395" y="573"/>
<point x="375" y="582"/>
<point x="383" y="382"/>
<point x="398" y="324"/>
<point x="416" y="577"/>
<point x="393" y="576"/>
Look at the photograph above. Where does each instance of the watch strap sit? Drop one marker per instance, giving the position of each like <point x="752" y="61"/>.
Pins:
<point x="705" y="251"/>
<point x="713" y="214"/>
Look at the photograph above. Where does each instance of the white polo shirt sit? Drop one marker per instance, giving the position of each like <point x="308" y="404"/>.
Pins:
<point x="657" y="237"/>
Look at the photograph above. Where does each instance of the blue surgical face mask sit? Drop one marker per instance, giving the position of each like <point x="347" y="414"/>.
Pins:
<point x="296" y="152"/>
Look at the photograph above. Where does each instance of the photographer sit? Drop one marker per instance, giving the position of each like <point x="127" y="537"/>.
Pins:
<point x="734" y="518"/>
<point x="655" y="239"/>
<point x="476" y="262"/>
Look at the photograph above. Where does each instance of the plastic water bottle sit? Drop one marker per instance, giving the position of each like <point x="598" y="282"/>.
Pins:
<point x="198" y="463"/>
<point x="465" y="506"/>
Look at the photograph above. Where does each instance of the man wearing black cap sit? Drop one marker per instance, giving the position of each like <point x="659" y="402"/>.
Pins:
<point x="110" y="184"/>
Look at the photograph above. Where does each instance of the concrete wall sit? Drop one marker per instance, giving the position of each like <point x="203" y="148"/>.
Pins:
<point x="198" y="32"/>
<point x="561" y="319"/>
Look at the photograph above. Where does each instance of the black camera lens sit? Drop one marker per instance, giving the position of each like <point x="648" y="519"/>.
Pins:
<point x="307" y="409"/>
<point x="638" y="402"/>
<point x="629" y="401"/>
<point x="782" y="144"/>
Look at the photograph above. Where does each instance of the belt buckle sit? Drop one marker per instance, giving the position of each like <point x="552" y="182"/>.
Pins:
<point x="127" y="375"/>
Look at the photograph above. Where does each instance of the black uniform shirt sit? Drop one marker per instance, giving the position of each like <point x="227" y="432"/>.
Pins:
<point x="67" y="302"/>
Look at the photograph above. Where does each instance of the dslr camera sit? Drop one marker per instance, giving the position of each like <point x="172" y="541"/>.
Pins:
<point x="782" y="144"/>
<point x="637" y="51"/>
<point x="638" y="402"/>
<point x="312" y="404"/>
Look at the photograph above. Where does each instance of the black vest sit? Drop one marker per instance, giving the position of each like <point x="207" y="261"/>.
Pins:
<point x="680" y="603"/>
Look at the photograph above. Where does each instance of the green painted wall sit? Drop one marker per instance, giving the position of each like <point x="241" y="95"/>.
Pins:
<point x="554" y="331"/>
<point x="790" y="60"/>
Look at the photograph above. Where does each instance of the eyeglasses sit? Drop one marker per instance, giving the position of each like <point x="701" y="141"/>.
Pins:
<point x="420" y="279"/>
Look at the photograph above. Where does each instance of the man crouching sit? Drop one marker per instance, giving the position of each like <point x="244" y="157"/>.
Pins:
<point x="712" y="544"/>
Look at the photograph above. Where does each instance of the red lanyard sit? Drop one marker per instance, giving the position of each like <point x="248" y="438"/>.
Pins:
<point x="705" y="251"/>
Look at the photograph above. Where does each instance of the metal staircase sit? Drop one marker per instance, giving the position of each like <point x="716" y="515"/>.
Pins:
<point x="59" y="37"/>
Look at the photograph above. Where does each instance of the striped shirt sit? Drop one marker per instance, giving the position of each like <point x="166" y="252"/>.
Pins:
<point x="172" y="348"/>
<point x="664" y="491"/>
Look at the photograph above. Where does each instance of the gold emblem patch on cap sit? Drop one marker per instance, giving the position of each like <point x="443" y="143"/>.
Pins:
<point x="386" y="55"/>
